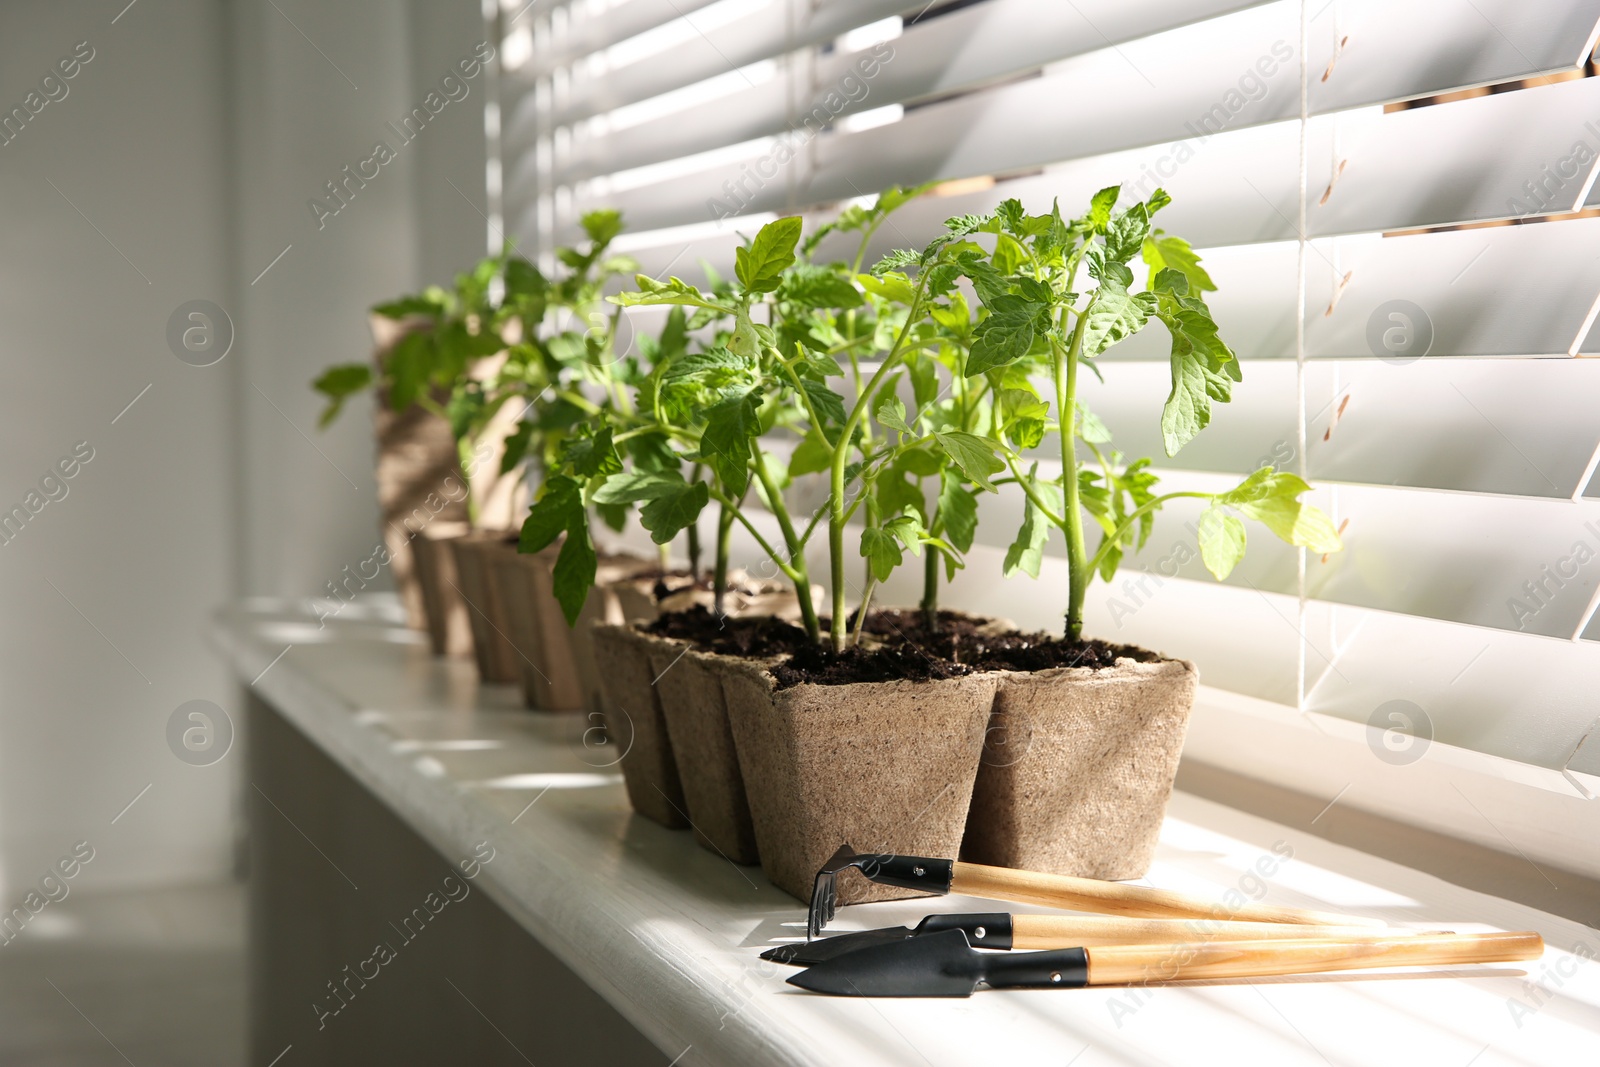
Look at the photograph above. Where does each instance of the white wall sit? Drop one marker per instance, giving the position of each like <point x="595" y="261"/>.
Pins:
<point x="191" y="142"/>
<point x="309" y="506"/>
<point x="142" y="544"/>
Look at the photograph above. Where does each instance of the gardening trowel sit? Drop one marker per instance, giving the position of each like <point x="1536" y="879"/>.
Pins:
<point x="946" y="965"/>
<point x="1000" y="930"/>
<point x="1052" y="890"/>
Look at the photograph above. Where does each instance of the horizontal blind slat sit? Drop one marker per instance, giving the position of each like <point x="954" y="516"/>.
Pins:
<point x="763" y="34"/>
<point x="576" y="34"/>
<point x="1523" y="428"/>
<point x="1462" y="162"/>
<point x="967" y="48"/>
<point x="1455" y="557"/>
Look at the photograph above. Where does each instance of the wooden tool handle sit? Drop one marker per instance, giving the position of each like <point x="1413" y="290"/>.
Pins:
<point x="1139" y="964"/>
<point x="1072" y="931"/>
<point x="1116" y="898"/>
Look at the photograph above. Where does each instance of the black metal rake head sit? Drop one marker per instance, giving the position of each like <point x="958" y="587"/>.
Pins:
<point x="907" y="872"/>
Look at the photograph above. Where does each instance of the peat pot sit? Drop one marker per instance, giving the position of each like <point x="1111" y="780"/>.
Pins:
<point x="886" y="766"/>
<point x="474" y="555"/>
<point x="634" y="722"/>
<point x="439" y="589"/>
<point x="663" y="703"/>
<point x="1077" y="767"/>
<point x="538" y="631"/>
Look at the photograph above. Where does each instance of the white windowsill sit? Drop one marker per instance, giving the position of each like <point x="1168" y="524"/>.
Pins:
<point x="669" y="932"/>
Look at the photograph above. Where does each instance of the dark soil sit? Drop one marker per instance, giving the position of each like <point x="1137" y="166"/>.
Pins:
<point x="820" y="665"/>
<point x="757" y="637"/>
<point x="674" y="582"/>
<point x="908" y="651"/>
<point x="911" y="624"/>
<point x="1039" y="652"/>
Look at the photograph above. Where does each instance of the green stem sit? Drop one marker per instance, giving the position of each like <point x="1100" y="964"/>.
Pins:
<point x="579" y="401"/>
<point x="693" y="533"/>
<point x="1065" y="366"/>
<point x="866" y="604"/>
<point x="930" y="588"/>
<point x="1031" y="493"/>
<point x="797" y="559"/>
<point x="1127" y="524"/>
<point x="719" y="580"/>
<point x="766" y="546"/>
<point x="841" y="457"/>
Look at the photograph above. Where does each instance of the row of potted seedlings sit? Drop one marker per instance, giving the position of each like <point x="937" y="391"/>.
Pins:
<point x="781" y="723"/>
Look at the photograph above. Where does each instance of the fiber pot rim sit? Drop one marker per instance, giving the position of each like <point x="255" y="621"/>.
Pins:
<point x="1120" y="667"/>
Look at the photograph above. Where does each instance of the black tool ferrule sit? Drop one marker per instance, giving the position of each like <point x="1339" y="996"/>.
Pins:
<point x="983" y="929"/>
<point x="1065" y="968"/>
<point x="910" y="872"/>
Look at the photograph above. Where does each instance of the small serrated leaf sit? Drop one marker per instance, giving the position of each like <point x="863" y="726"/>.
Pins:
<point x="974" y="455"/>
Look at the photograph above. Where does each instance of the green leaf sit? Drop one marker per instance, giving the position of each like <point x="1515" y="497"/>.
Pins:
<point x="882" y="551"/>
<point x="731" y="424"/>
<point x="573" y="575"/>
<point x="920" y="462"/>
<point x="590" y="457"/>
<point x="1221" y="541"/>
<point x="974" y="455"/>
<point x="828" y="404"/>
<point x="673" y="291"/>
<point x="409" y="364"/>
<point x="1271" y="497"/>
<point x="733" y="472"/>
<point x="1112" y="316"/>
<point x="1021" y="404"/>
<point x="702" y="364"/>
<point x="957" y="317"/>
<point x="1090" y="428"/>
<point x="667" y="515"/>
<point x="760" y="267"/>
<point x="567" y="348"/>
<point x="652" y="452"/>
<point x="746" y="339"/>
<point x="987" y="280"/>
<point x="958" y="510"/>
<point x="819" y="287"/>
<point x="1027" y="552"/>
<point x="1163" y="251"/>
<point x="1126" y="233"/>
<point x="517" y="444"/>
<point x="1203" y="367"/>
<point x="556" y="509"/>
<point x="907" y="529"/>
<point x="897" y="196"/>
<point x="434" y="302"/>
<point x="895" y="494"/>
<point x="339" y="383"/>
<point x="892" y="414"/>
<point x="524" y="280"/>
<point x="1026" y="433"/>
<point x="602" y="225"/>
<point x="343" y="380"/>
<point x="900" y="257"/>
<point x="810" y="456"/>
<point x="1100" y="206"/>
<point x="924" y="380"/>
<point x="1005" y="336"/>
<point x="632" y="487"/>
<point x="889" y="286"/>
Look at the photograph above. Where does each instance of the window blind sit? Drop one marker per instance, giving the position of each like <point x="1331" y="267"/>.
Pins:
<point x="1434" y="388"/>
